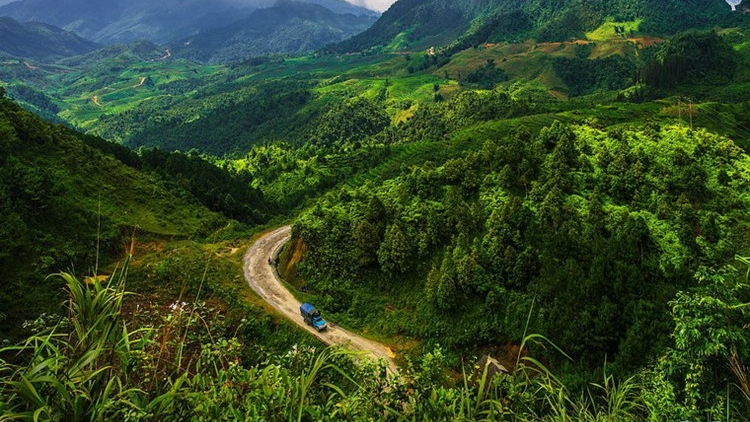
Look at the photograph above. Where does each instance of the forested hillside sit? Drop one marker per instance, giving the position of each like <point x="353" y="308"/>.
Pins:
<point x="68" y="203"/>
<point x="139" y="96"/>
<point x="572" y="228"/>
<point x="591" y="232"/>
<point x="416" y="23"/>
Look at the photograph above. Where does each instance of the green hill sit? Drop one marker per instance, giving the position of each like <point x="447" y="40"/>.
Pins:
<point x="66" y="206"/>
<point x="419" y="24"/>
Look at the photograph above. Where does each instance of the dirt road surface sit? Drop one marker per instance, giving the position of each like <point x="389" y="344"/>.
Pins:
<point x="262" y="277"/>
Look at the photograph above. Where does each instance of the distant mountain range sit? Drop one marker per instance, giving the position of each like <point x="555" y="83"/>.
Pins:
<point x="287" y="27"/>
<point x="40" y="41"/>
<point x="119" y="21"/>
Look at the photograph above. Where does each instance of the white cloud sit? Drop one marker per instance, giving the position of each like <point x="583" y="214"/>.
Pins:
<point x="379" y="5"/>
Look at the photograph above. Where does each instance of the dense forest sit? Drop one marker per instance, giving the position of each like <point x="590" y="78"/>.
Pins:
<point x="470" y="23"/>
<point x="599" y="229"/>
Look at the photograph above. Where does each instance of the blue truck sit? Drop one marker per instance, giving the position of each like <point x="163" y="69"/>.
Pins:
<point x="312" y="317"/>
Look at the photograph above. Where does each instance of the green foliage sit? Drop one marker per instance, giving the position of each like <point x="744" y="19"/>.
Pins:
<point x="215" y="122"/>
<point x="350" y="122"/>
<point x="33" y="97"/>
<point x="471" y="23"/>
<point x="710" y="344"/>
<point x="96" y="372"/>
<point x="63" y="203"/>
<point x="96" y="367"/>
<point x="692" y="57"/>
<point x="83" y="375"/>
<point x="584" y="76"/>
<point x="439" y="120"/>
<point x="574" y="217"/>
<point x="488" y="76"/>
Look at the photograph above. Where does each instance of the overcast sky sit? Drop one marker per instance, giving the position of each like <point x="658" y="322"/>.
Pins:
<point x="379" y="5"/>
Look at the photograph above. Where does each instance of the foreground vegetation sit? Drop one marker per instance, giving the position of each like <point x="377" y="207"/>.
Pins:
<point x="91" y="366"/>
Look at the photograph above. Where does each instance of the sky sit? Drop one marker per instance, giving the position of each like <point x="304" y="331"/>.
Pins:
<point x="379" y="5"/>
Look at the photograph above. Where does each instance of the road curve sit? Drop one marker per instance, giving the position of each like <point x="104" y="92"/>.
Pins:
<point x="262" y="277"/>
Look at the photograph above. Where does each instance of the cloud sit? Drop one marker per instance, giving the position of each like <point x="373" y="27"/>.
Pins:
<point x="379" y="5"/>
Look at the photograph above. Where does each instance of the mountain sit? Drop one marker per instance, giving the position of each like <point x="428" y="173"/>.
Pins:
<point x="340" y="7"/>
<point x="423" y="23"/>
<point x="134" y="51"/>
<point x="119" y="21"/>
<point x="40" y="41"/>
<point x="287" y="27"/>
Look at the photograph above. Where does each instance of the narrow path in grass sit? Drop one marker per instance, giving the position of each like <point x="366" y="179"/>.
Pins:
<point x="262" y="277"/>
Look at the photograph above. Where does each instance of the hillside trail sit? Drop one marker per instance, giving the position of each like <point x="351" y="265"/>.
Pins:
<point x="262" y="277"/>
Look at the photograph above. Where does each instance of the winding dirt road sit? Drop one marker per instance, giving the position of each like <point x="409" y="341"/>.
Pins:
<point x="262" y="277"/>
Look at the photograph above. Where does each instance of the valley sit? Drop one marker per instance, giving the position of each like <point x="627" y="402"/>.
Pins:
<point x="558" y="190"/>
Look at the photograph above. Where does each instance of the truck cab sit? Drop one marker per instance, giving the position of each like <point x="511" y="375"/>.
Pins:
<point x="312" y="317"/>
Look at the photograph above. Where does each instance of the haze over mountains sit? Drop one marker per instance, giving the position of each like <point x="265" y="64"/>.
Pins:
<point x="40" y="41"/>
<point x="120" y="21"/>
<point x="287" y="27"/>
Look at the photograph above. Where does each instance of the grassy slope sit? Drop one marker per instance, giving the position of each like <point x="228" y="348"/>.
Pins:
<point x="79" y="184"/>
<point x="170" y="263"/>
<point x="111" y="97"/>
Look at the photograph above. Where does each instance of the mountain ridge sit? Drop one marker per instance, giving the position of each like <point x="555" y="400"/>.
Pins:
<point x="287" y="27"/>
<point x="120" y="21"/>
<point x="39" y="41"/>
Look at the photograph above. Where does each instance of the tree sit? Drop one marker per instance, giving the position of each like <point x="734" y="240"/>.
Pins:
<point x="366" y="240"/>
<point x="709" y="332"/>
<point x="395" y="252"/>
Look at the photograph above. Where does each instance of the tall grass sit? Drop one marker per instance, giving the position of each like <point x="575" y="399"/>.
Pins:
<point x="77" y="376"/>
<point x="93" y="370"/>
